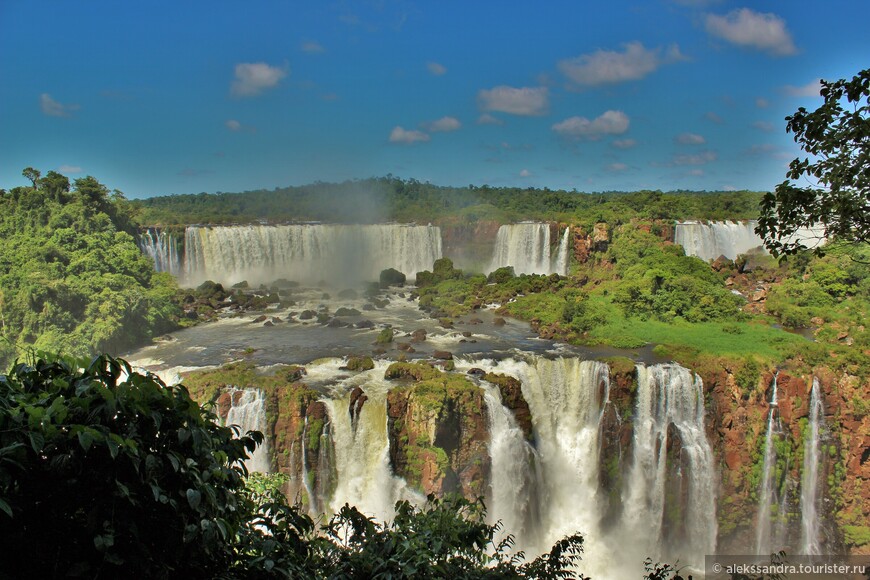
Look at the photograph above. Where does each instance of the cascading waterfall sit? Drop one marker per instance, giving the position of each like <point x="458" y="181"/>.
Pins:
<point x="767" y="489"/>
<point x="248" y="411"/>
<point x="810" y="533"/>
<point x="669" y="420"/>
<point x="364" y="477"/>
<point x="513" y="490"/>
<point x="162" y="248"/>
<point x="526" y="247"/>
<point x="341" y="254"/>
<point x="710" y="240"/>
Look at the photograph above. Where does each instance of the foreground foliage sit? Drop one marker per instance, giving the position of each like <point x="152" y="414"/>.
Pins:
<point x="108" y="473"/>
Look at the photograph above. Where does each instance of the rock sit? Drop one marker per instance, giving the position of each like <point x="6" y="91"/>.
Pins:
<point x="368" y="307"/>
<point x="498" y="321"/>
<point x="391" y="277"/>
<point x="268" y="323"/>
<point x="364" y="324"/>
<point x="307" y="315"/>
<point x="347" y="312"/>
<point x="476" y="372"/>
<point x="359" y="363"/>
<point x="418" y="335"/>
<point x="442" y="355"/>
<point x="511" y="390"/>
<point x="405" y="346"/>
<point x="348" y="294"/>
<point x="357" y="400"/>
<point x="336" y="323"/>
<point x="259" y="319"/>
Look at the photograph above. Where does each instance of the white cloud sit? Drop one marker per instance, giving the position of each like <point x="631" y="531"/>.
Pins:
<point x="233" y="125"/>
<point x="762" y="103"/>
<point x="810" y="89"/>
<point x="487" y="119"/>
<point x="252" y="78"/>
<point x="312" y="47"/>
<point x="690" y="139"/>
<point x="443" y="125"/>
<point x="713" y="118"/>
<point x="624" y="143"/>
<point x="53" y="108"/>
<point x="526" y="101"/>
<point x="696" y="172"/>
<point x="69" y="169"/>
<point x="436" y="69"/>
<point x="763" y="126"/>
<point x="744" y="27"/>
<point x="616" y="167"/>
<point x="607" y="66"/>
<point x="609" y="123"/>
<point x="525" y="173"/>
<point x="696" y="159"/>
<point x="401" y="135"/>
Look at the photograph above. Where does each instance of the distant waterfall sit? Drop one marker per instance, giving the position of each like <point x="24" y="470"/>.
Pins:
<point x="341" y="254"/>
<point x="710" y="240"/>
<point x="767" y="491"/>
<point x="671" y="507"/>
<point x="810" y="535"/>
<point x="526" y="247"/>
<point x="162" y="248"/>
<point x="248" y="411"/>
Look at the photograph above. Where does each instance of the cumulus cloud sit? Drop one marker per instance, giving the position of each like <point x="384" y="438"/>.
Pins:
<point x="233" y="125"/>
<point x="624" y="143"/>
<point x="617" y="167"/>
<point x="525" y="173"/>
<point x="443" y="125"/>
<point x="607" y="66"/>
<point x="609" y="123"/>
<point x="252" y="78"/>
<point x="762" y="103"/>
<point x="763" y="126"/>
<point x="808" y="90"/>
<point x="713" y="118"/>
<point x="690" y="139"/>
<point x="406" y="137"/>
<point x="69" y="169"/>
<point x="53" y="108"/>
<point x="526" y="101"/>
<point x="744" y="27"/>
<point x="696" y="159"/>
<point x="312" y="47"/>
<point x="436" y="69"/>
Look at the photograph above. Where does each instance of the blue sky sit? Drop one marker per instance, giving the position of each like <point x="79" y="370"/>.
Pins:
<point x="162" y="97"/>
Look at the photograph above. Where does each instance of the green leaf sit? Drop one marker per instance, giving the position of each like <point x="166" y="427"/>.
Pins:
<point x="5" y="508"/>
<point x="86" y="438"/>
<point x="37" y="441"/>
<point x="194" y="498"/>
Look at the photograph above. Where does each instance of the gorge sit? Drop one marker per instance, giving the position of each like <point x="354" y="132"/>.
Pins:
<point x="623" y="445"/>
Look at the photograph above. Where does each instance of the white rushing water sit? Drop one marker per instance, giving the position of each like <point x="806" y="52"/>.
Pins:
<point x="810" y="533"/>
<point x="340" y="254"/>
<point x="710" y="240"/>
<point x="162" y="248"/>
<point x="670" y="402"/>
<point x="526" y="247"/>
<point x="767" y="489"/>
<point x="248" y="411"/>
<point x="364" y="477"/>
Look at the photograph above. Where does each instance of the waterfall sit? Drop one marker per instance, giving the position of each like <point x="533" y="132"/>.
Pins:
<point x="526" y="247"/>
<point x="709" y="241"/>
<point x="669" y="420"/>
<point x="810" y="536"/>
<point x="340" y="254"/>
<point x="162" y="248"/>
<point x="512" y="475"/>
<point x="364" y="477"/>
<point x="248" y="411"/>
<point x="767" y="489"/>
<point x="730" y="239"/>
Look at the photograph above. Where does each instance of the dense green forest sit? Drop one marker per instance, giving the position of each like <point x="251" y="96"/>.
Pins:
<point x="72" y="278"/>
<point x="393" y="199"/>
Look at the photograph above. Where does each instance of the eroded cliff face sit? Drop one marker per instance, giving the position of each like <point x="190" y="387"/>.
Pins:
<point x="469" y="245"/>
<point x="438" y="431"/>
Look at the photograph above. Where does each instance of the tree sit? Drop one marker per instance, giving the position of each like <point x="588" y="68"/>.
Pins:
<point x="107" y="473"/>
<point x="836" y="137"/>
<point x="32" y="174"/>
